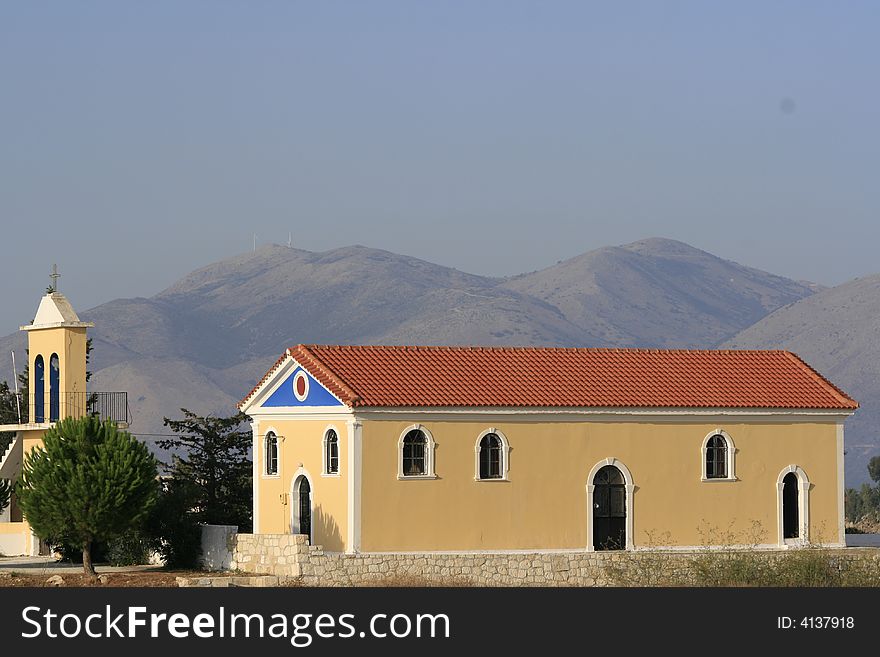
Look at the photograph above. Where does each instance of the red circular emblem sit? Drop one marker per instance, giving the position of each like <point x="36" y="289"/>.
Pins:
<point x="301" y="386"/>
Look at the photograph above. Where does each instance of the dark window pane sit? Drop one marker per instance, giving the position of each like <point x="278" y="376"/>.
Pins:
<point x="271" y="454"/>
<point x="490" y="457"/>
<point x="716" y="458"/>
<point x="414" y="448"/>
<point x="332" y="456"/>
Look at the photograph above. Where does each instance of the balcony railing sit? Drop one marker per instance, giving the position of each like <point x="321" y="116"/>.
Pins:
<point x="53" y="407"/>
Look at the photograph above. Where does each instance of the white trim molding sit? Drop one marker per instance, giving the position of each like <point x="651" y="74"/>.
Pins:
<point x="294" y="503"/>
<point x="255" y="473"/>
<point x="353" y="544"/>
<point x="841" y="488"/>
<point x="324" y="465"/>
<point x="803" y="507"/>
<point x="730" y="455"/>
<point x="430" y="446"/>
<point x="630" y="491"/>
<point x="301" y="376"/>
<point x="264" y="469"/>
<point x="505" y="455"/>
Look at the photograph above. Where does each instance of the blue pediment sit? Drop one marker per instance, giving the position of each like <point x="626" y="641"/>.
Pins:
<point x="301" y="389"/>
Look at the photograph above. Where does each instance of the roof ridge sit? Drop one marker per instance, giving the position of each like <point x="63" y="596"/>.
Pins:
<point x="502" y="348"/>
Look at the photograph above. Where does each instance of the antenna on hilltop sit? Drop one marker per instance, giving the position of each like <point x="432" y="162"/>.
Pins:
<point x="289" y="240"/>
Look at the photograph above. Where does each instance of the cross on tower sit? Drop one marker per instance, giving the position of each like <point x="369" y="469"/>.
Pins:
<point x="55" y="276"/>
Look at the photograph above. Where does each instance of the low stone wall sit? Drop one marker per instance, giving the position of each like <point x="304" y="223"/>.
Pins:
<point x="286" y="555"/>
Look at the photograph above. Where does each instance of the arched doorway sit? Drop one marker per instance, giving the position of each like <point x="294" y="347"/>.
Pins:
<point x="793" y="506"/>
<point x="609" y="509"/>
<point x="790" y="511"/>
<point x="301" y="509"/>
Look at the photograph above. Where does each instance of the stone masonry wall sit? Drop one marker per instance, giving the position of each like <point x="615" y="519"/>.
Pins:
<point x="287" y="555"/>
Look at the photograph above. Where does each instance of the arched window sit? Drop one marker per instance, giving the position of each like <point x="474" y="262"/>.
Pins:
<point x="331" y="452"/>
<point x="416" y="453"/>
<point x="54" y="394"/>
<point x="271" y="452"/>
<point x="717" y="455"/>
<point x="39" y="390"/>
<point x="415" y="447"/>
<point x="491" y="455"/>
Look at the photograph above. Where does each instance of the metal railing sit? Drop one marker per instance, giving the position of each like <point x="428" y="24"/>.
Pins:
<point x="51" y="407"/>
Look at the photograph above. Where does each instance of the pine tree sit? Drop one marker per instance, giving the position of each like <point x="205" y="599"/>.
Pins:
<point x="88" y="482"/>
<point x="211" y="455"/>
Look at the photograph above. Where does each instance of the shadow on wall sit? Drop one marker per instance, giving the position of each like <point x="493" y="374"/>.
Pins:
<point x="326" y="531"/>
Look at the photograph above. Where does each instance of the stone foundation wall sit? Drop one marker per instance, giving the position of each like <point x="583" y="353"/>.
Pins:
<point x="286" y="555"/>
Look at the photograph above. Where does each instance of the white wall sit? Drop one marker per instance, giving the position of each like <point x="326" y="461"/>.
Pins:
<point x="13" y="545"/>
<point x="218" y="543"/>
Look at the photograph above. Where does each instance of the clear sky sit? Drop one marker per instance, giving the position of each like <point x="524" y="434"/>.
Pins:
<point x="139" y="140"/>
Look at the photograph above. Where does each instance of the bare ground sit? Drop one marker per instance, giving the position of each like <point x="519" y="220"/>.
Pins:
<point x="150" y="578"/>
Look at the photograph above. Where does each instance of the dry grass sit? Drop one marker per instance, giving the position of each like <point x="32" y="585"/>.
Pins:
<point x="150" y="578"/>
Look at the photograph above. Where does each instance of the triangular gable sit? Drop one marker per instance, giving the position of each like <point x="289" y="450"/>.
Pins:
<point x="299" y="388"/>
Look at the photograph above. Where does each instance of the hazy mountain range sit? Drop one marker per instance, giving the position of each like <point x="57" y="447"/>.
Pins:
<point x="203" y="342"/>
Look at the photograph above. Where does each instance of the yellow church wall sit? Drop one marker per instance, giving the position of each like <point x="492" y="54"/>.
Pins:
<point x="70" y="345"/>
<point x="301" y="446"/>
<point x="544" y="503"/>
<point x="15" y="537"/>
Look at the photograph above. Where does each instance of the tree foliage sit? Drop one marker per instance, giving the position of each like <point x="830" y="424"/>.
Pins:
<point x="88" y="482"/>
<point x="865" y="502"/>
<point x="874" y="469"/>
<point x="210" y="462"/>
<point x="173" y="526"/>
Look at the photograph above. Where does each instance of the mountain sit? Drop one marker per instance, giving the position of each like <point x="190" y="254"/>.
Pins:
<point x="203" y="342"/>
<point x="659" y="293"/>
<point x="838" y="332"/>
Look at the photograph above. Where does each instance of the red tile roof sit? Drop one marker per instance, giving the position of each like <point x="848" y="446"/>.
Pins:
<point x="389" y="376"/>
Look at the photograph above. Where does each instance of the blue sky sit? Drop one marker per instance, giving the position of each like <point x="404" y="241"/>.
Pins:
<point x="139" y="141"/>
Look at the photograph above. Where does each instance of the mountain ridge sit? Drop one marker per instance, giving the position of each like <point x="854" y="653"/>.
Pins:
<point x="203" y="341"/>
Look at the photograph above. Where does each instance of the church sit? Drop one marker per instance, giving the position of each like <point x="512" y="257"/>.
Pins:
<point x="57" y="364"/>
<point x="389" y="449"/>
<point x="378" y="449"/>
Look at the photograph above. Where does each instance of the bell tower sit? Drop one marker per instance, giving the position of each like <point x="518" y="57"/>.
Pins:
<point x="56" y="359"/>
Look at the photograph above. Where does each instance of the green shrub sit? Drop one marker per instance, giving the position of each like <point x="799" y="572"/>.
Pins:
<point x="173" y="527"/>
<point x="131" y="549"/>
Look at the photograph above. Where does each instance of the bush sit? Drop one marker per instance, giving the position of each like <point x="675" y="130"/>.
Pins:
<point x="129" y="550"/>
<point x="173" y="528"/>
